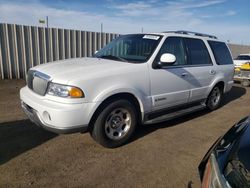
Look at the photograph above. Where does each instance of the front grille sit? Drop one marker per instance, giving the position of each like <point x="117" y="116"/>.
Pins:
<point x="30" y="78"/>
<point x="37" y="82"/>
<point x="245" y="73"/>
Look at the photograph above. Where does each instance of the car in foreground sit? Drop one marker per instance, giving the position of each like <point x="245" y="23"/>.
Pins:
<point x="135" y="79"/>
<point x="227" y="163"/>
<point x="241" y="59"/>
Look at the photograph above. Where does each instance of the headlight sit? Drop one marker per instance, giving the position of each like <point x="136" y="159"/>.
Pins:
<point x="213" y="178"/>
<point x="64" y="91"/>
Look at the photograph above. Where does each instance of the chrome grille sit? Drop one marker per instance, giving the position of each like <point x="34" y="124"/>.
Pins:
<point x="245" y="73"/>
<point x="37" y="82"/>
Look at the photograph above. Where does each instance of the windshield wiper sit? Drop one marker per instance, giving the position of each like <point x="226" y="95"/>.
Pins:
<point x="112" y="57"/>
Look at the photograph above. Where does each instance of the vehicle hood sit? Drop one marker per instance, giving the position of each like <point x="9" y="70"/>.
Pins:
<point x="225" y="144"/>
<point x="234" y="134"/>
<point x="65" y="70"/>
<point x="240" y="62"/>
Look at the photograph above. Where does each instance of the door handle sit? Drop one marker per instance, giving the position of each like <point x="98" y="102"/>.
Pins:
<point x="212" y="72"/>
<point x="184" y="74"/>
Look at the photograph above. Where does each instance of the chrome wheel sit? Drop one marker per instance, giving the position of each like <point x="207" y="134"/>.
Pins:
<point x="118" y="123"/>
<point x="215" y="96"/>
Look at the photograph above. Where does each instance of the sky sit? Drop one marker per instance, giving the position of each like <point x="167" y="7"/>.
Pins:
<point x="229" y="20"/>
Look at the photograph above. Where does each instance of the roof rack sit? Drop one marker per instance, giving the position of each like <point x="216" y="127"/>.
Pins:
<point x="192" y="33"/>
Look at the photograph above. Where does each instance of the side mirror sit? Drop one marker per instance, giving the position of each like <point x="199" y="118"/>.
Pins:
<point x="166" y="59"/>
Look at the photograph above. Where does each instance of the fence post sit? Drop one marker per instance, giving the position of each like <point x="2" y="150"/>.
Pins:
<point x="85" y="44"/>
<point x="57" y="45"/>
<point x="44" y="46"/>
<point x="63" y="44"/>
<point x="22" y="41"/>
<point x="1" y="62"/>
<point x="74" y="43"/>
<point x="50" y="45"/>
<point x="15" y="50"/>
<point x="69" y="44"/>
<point x="8" y="61"/>
<point x="79" y="44"/>
<point x="37" y="43"/>
<point x="30" y="48"/>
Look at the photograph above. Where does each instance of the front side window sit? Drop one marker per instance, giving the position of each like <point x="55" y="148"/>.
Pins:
<point x="136" y="48"/>
<point x="221" y="53"/>
<point x="175" y="46"/>
<point x="197" y="52"/>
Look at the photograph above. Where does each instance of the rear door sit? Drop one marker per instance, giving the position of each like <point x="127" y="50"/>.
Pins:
<point x="224" y="62"/>
<point x="201" y="72"/>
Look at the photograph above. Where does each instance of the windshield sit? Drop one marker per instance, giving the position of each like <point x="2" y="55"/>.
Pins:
<point x="136" y="48"/>
<point x="243" y="57"/>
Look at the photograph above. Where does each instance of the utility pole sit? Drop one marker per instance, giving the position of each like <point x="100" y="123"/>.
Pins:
<point x="47" y="21"/>
<point x="101" y="27"/>
<point x="142" y="30"/>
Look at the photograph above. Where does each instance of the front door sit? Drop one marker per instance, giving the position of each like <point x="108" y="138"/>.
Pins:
<point x="169" y="84"/>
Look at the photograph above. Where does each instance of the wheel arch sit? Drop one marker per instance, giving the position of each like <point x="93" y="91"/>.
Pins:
<point x="219" y="83"/>
<point x="122" y="95"/>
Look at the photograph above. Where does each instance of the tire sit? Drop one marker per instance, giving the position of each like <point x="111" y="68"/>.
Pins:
<point x="115" y="124"/>
<point x="214" y="98"/>
<point x="245" y="82"/>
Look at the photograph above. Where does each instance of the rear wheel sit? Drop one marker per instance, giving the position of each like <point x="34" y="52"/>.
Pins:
<point x="214" y="98"/>
<point x="115" y="124"/>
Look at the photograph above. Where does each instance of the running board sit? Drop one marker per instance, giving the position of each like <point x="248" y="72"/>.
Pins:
<point x="175" y="114"/>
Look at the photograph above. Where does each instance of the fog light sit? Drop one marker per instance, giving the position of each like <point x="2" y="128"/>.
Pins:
<point x="46" y="116"/>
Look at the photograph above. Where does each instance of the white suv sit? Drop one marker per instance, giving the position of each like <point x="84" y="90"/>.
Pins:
<point x="135" y="79"/>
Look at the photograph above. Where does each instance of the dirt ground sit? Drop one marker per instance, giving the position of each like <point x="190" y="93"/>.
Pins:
<point x="160" y="155"/>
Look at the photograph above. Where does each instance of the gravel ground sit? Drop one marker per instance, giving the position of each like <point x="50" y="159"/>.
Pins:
<point x="160" y="155"/>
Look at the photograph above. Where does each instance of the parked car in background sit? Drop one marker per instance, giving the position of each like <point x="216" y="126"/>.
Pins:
<point x="227" y="163"/>
<point x="137" y="78"/>
<point x="241" y="59"/>
<point x="242" y="74"/>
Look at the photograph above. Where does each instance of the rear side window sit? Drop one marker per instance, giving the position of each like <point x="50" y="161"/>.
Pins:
<point x="221" y="53"/>
<point x="197" y="52"/>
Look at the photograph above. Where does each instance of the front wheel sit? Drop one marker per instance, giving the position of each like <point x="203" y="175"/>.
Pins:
<point x="115" y="124"/>
<point x="245" y="82"/>
<point x="214" y="98"/>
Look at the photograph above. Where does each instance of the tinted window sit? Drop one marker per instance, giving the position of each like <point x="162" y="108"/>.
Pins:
<point x="173" y="45"/>
<point x="221" y="53"/>
<point x="243" y="57"/>
<point x="197" y="52"/>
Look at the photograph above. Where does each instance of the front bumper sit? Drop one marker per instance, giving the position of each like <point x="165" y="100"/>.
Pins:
<point x="61" y="118"/>
<point x="34" y="117"/>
